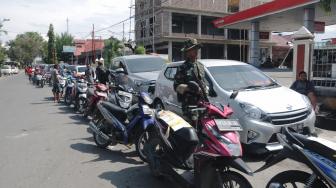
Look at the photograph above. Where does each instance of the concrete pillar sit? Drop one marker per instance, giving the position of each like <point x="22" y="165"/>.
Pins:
<point x="225" y="51"/>
<point x="254" y="45"/>
<point x="170" y="23"/>
<point x="199" y="29"/>
<point x="170" y="51"/>
<point x="303" y="52"/>
<point x="309" y="18"/>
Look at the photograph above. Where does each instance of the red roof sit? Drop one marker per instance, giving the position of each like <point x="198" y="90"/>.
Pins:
<point x="83" y="46"/>
<point x="261" y="11"/>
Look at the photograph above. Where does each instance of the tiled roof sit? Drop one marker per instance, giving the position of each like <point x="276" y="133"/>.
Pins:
<point x="83" y="46"/>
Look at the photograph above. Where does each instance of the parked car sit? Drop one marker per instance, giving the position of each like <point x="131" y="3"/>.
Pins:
<point x="139" y="68"/>
<point x="262" y="106"/>
<point x="6" y="70"/>
<point x="77" y="70"/>
<point x="15" y="70"/>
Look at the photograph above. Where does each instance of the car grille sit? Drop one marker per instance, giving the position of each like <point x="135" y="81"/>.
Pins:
<point x="288" y="117"/>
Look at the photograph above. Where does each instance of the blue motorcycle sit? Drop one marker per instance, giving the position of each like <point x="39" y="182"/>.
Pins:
<point x="316" y="153"/>
<point x="114" y="124"/>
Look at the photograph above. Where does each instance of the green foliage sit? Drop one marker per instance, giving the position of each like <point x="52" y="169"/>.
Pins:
<point x="64" y="39"/>
<point x="51" y="58"/>
<point x="26" y="47"/>
<point x="112" y="49"/>
<point x="140" y="50"/>
<point x="326" y="4"/>
<point x="1" y="30"/>
<point x="2" y="54"/>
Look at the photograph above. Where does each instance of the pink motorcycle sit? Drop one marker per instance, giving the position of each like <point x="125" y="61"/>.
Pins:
<point x="200" y="156"/>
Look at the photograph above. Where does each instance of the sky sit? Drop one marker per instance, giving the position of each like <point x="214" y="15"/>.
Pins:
<point x="36" y="15"/>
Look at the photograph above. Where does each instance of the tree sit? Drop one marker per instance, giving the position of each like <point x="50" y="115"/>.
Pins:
<point x="140" y="50"/>
<point x="1" y="30"/>
<point x="51" y="46"/>
<point x="26" y="47"/>
<point x="112" y="49"/>
<point x="2" y="54"/>
<point x="326" y="4"/>
<point x="64" y="39"/>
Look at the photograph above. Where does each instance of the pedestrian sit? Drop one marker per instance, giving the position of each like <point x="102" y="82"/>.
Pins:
<point x="55" y="83"/>
<point x="89" y="74"/>
<point x="190" y="70"/>
<point x="305" y="87"/>
<point x="101" y="74"/>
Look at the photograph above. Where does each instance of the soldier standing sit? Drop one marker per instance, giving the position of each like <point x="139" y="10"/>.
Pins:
<point x="190" y="70"/>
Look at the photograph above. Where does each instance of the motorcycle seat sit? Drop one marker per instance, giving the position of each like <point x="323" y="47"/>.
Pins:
<point x="323" y="147"/>
<point x="117" y="111"/>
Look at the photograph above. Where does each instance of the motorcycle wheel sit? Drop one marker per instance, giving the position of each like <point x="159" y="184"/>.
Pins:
<point x="81" y="105"/>
<point x="294" y="178"/>
<point x="140" y="142"/>
<point x="153" y="150"/>
<point x="230" y="179"/>
<point x="42" y="84"/>
<point x="67" y="100"/>
<point x="101" y="142"/>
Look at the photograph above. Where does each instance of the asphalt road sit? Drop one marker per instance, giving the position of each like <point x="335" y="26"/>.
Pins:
<point x="44" y="144"/>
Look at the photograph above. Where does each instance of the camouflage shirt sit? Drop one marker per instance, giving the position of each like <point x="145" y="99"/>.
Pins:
<point x="189" y="71"/>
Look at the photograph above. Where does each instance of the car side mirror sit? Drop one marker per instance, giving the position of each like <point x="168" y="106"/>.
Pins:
<point x="234" y="94"/>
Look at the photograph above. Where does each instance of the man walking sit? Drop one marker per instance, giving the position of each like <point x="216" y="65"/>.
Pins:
<point x="55" y="83"/>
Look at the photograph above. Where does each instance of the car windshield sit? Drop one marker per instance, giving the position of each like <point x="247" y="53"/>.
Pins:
<point x="81" y="69"/>
<point x="147" y="64"/>
<point x="240" y="77"/>
<point x="6" y="67"/>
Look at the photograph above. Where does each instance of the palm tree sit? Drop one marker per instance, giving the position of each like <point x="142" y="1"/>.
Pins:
<point x="112" y="49"/>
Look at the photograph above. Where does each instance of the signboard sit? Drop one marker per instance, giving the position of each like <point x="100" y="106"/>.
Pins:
<point x="319" y="27"/>
<point x="69" y="49"/>
<point x="264" y="35"/>
<point x="333" y="41"/>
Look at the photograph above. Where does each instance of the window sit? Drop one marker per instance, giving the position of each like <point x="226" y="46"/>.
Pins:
<point x="170" y="73"/>
<point x="233" y="5"/>
<point x="146" y="64"/>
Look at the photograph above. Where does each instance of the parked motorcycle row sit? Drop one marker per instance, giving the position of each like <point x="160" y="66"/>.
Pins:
<point x="203" y="150"/>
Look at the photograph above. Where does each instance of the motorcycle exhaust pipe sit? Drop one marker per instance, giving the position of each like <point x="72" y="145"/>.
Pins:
<point x="95" y="129"/>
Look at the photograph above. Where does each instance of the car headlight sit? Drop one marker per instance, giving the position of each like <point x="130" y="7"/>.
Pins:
<point x="253" y="111"/>
<point x="308" y="103"/>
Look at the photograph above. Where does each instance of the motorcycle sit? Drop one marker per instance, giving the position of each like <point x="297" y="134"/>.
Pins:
<point x="80" y="100"/>
<point x="39" y="80"/>
<point x="206" y="151"/>
<point x="62" y="83"/>
<point x="112" y="127"/>
<point x="68" y="95"/>
<point x="316" y="153"/>
<point x="94" y="95"/>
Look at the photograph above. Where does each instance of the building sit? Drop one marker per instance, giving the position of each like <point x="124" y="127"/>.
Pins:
<point x="88" y="50"/>
<point x="176" y="20"/>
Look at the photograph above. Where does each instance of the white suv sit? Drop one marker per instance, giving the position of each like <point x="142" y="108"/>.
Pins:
<point x="262" y="105"/>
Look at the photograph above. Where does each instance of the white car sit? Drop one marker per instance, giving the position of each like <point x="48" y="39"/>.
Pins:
<point x="6" y="70"/>
<point x="78" y="70"/>
<point x="15" y="70"/>
<point x="262" y="106"/>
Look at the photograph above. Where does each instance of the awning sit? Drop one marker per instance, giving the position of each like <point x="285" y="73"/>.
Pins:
<point x="277" y="15"/>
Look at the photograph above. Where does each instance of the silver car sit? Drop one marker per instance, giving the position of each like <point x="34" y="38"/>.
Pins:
<point x="262" y="105"/>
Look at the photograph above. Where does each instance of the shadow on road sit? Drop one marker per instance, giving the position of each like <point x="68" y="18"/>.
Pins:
<point x="134" y="177"/>
<point x="107" y="154"/>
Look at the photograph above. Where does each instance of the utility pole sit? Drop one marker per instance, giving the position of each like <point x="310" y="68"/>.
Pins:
<point x="153" y="28"/>
<point x="130" y="17"/>
<point x="93" y="46"/>
<point x="67" y="20"/>
<point x="123" y="39"/>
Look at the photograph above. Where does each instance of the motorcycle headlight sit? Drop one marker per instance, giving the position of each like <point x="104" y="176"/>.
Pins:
<point x="308" y="103"/>
<point x="253" y="111"/>
<point x="147" y="110"/>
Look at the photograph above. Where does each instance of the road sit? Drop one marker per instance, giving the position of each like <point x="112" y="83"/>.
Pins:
<point x="45" y="144"/>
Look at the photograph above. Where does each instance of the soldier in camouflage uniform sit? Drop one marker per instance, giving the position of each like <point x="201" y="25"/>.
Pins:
<point x="190" y="70"/>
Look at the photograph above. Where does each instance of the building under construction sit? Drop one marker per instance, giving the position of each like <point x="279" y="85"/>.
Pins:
<point x="162" y="26"/>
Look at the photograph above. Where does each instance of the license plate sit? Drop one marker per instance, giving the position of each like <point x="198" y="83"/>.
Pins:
<point x="297" y="127"/>
<point x="228" y="125"/>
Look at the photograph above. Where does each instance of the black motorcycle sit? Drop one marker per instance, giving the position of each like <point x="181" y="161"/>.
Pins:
<point x="316" y="153"/>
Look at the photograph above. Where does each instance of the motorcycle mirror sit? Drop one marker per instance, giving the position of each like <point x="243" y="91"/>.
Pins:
<point x="234" y="94"/>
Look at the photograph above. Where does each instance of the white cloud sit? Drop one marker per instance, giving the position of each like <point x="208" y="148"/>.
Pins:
<point x="36" y="15"/>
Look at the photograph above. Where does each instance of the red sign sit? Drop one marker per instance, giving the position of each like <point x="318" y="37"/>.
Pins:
<point x="333" y="41"/>
<point x="319" y="27"/>
<point x="264" y="35"/>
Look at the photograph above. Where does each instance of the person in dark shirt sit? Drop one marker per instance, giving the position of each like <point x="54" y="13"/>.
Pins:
<point x="305" y="87"/>
<point x="101" y="73"/>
